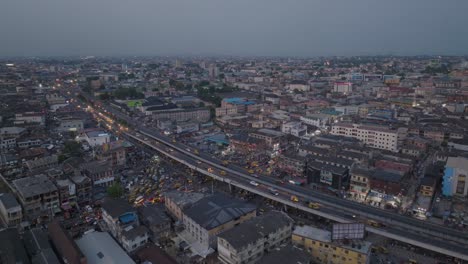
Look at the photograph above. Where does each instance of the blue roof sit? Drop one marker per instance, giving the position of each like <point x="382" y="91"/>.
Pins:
<point x="127" y="218"/>
<point x="237" y="100"/>
<point x="220" y="139"/>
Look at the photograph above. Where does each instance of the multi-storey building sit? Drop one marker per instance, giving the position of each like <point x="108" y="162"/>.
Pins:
<point x="294" y="128"/>
<point x="42" y="163"/>
<point x="176" y="202"/>
<point x="374" y="136"/>
<point x="100" y="172"/>
<point x="271" y="137"/>
<point x="38" y="196"/>
<point x="360" y="182"/>
<point x="318" y="242"/>
<point x="213" y="215"/>
<point x="83" y="187"/>
<point x="30" y="118"/>
<point x="343" y="87"/>
<point x="117" y="214"/>
<point x="10" y="210"/>
<point x="179" y="114"/>
<point x="455" y="177"/>
<point x="247" y="242"/>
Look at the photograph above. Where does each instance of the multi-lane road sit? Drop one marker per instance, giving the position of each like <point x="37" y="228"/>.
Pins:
<point x="406" y="229"/>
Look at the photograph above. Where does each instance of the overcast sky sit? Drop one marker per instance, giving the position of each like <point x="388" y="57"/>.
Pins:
<point x="233" y="27"/>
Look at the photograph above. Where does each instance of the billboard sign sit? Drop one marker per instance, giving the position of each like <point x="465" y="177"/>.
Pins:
<point x="348" y="231"/>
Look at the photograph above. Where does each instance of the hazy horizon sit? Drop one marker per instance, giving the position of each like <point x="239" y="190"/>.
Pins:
<point x="300" y="28"/>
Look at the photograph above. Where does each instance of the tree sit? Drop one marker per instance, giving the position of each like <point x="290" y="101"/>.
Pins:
<point x="72" y="148"/>
<point x="115" y="190"/>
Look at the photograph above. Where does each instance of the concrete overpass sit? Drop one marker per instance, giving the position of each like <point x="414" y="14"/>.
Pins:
<point x="334" y="212"/>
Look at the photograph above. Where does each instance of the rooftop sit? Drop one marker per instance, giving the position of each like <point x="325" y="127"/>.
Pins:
<point x="116" y="207"/>
<point x="239" y="101"/>
<point x="34" y="185"/>
<point x="254" y="229"/>
<point x="387" y="176"/>
<point x="457" y="162"/>
<point x="8" y="200"/>
<point x="133" y="232"/>
<point x="286" y="254"/>
<point x="183" y="199"/>
<point x="213" y="211"/>
<point x="11" y="246"/>
<point x="100" y="248"/>
<point x="312" y="233"/>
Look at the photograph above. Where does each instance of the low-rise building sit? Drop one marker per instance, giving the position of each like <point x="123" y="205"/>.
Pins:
<point x="427" y="186"/>
<point x="248" y="242"/>
<point x="10" y="210"/>
<point x="323" y="249"/>
<point x="134" y="237"/>
<point x="100" y="248"/>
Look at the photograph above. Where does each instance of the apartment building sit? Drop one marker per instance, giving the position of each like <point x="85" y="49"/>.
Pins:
<point x="38" y="195"/>
<point x="30" y="118"/>
<point x="248" y="242"/>
<point x="343" y="87"/>
<point x="373" y="136"/>
<point x="213" y="215"/>
<point x="323" y="249"/>
<point x="10" y="210"/>
<point x="179" y="114"/>
<point x="118" y="215"/>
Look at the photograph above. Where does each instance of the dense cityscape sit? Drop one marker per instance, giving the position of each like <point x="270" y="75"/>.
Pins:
<point x="234" y="160"/>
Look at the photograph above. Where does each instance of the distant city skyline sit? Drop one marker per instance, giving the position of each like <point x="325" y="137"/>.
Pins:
<point x="238" y="28"/>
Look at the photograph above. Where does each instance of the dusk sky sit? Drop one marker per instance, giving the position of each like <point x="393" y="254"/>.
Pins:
<point x="234" y="27"/>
